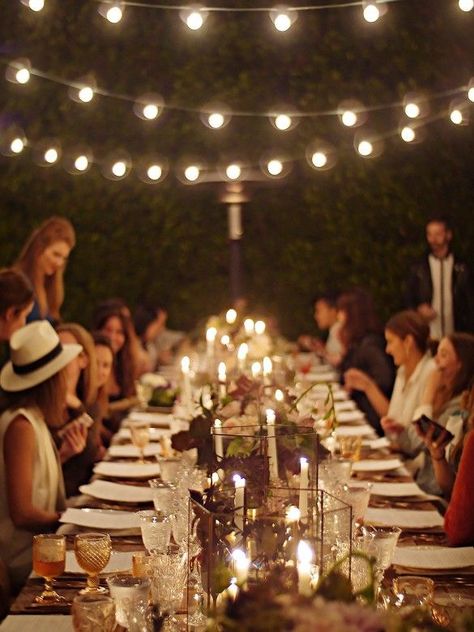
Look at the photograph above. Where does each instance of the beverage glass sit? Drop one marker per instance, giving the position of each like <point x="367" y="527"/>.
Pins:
<point x="358" y="498"/>
<point x="382" y="547"/>
<point x="170" y="469"/>
<point x="168" y="583"/>
<point x="92" y="552"/>
<point x="93" y="613"/>
<point x="127" y="591"/>
<point x="164" y="496"/>
<point x="140" y="433"/>
<point x="141" y="565"/>
<point x="350" y="447"/>
<point x="49" y="560"/>
<point x="334" y="473"/>
<point x="156" y="530"/>
<point x="413" y="591"/>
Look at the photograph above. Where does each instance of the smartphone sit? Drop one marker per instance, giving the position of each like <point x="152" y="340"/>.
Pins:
<point x="425" y="423"/>
<point x="84" y="419"/>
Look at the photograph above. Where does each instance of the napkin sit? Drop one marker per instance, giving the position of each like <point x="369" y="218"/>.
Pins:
<point x="404" y="518"/>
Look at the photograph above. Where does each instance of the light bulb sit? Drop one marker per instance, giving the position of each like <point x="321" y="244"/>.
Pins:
<point x="466" y="5"/>
<point x="274" y="167"/>
<point x="233" y="172"/>
<point x="23" y="75"/>
<point x="282" y="22"/>
<point x="456" y="117"/>
<point x="194" y="20"/>
<point x="150" y="111"/>
<point x="349" y="118"/>
<point x="216" y="120"/>
<point x="470" y="94"/>
<point x="154" y="172"/>
<point x="319" y="159"/>
<point x="412" y="110"/>
<point x="81" y="163"/>
<point x="191" y="173"/>
<point x="35" y="5"/>
<point x="408" y="134"/>
<point x="283" y="122"/>
<point x="119" y="168"/>
<point x="365" y="148"/>
<point x="86" y="94"/>
<point x="17" y="145"/>
<point x="51" y="155"/>
<point x="114" y="14"/>
<point x="371" y="13"/>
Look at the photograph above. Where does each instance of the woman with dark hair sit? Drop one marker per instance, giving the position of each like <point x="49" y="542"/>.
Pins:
<point x="407" y="337"/>
<point x="43" y="260"/>
<point x="361" y="336"/>
<point x="442" y="401"/>
<point x="31" y="482"/>
<point x="16" y="301"/>
<point x="148" y="322"/>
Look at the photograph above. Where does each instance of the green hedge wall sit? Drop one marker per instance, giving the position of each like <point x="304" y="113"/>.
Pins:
<point x="360" y="223"/>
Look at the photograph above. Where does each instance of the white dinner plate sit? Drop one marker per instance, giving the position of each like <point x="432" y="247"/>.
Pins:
<point x="107" y="490"/>
<point x="127" y="470"/>
<point x="130" y="451"/>
<point x="434" y="557"/>
<point x="376" y="465"/>
<point x="108" y="519"/>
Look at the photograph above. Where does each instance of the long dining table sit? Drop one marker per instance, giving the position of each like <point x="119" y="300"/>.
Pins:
<point x="395" y="499"/>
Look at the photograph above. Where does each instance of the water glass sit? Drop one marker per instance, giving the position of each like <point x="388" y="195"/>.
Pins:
<point x="126" y="591"/>
<point x="93" y="613"/>
<point x="334" y="473"/>
<point x="156" y="530"/>
<point x="358" y="498"/>
<point x="169" y="582"/>
<point x="350" y="447"/>
<point x="49" y="560"/>
<point x="164" y="496"/>
<point x="170" y="470"/>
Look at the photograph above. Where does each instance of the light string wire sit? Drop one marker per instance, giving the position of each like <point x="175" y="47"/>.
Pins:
<point x="237" y="113"/>
<point x="165" y="7"/>
<point x="247" y="167"/>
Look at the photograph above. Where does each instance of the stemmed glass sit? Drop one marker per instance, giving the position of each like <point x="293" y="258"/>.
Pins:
<point x="140" y="433"/>
<point x="49" y="560"/>
<point x="92" y="552"/>
<point x="197" y="617"/>
<point x="382" y="546"/>
<point x="156" y="530"/>
<point x="168" y="583"/>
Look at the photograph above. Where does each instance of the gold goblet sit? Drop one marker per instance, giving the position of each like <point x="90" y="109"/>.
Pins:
<point x="140" y="433"/>
<point x="49" y="560"/>
<point x="92" y="552"/>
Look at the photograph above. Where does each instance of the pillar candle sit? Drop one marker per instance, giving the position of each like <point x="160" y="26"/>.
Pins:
<point x="304" y="482"/>
<point x="218" y="441"/>
<point x="239" y="501"/>
<point x="187" y="393"/>
<point x="272" y="444"/>
<point x="304" y="555"/>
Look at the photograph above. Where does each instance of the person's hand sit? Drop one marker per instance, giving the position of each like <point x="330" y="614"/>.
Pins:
<point x="426" y="311"/>
<point x="306" y="342"/>
<point x="357" y="380"/>
<point x="391" y="427"/>
<point x="436" y="446"/>
<point x="74" y="438"/>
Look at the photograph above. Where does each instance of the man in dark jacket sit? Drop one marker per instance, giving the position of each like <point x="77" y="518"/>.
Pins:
<point x="440" y="286"/>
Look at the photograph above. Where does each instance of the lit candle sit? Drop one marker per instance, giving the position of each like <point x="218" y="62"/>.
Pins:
<point x="279" y="395"/>
<point x="233" y="589"/>
<point x="293" y="514"/>
<point x="249" y="326"/>
<point x="304" y="471"/>
<point x="256" y="369"/>
<point x="272" y="445"/>
<point x="218" y="442"/>
<point x="242" y="353"/>
<point x="304" y="556"/>
<point x="222" y="377"/>
<point x="267" y="369"/>
<point x="260" y="327"/>
<point x="239" y="499"/>
<point x="211" y="334"/>
<point x="241" y="565"/>
<point x="225" y="340"/>
<point x="187" y="394"/>
<point x="230" y="316"/>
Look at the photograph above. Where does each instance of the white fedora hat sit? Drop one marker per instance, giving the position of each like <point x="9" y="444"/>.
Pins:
<point x="36" y="354"/>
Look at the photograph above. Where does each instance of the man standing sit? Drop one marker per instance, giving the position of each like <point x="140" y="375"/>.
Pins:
<point x="439" y="286"/>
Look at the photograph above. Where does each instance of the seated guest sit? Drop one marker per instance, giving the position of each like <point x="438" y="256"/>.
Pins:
<point x="407" y="337"/>
<point x="325" y="315"/>
<point x="105" y="360"/>
<point x="16" y="301"/>
<point x="166" y="342"/>
<point x="441" y="400"/>
<point x="43" y="260"/>
<point x="112" y="323"/>
<point x="363" y="342"/>
<point x="148" y="322"/>
<point x="31" y="481"/>
<point x="82" y="409"/>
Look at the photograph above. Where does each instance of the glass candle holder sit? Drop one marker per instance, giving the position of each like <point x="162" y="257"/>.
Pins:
<point x="127" y="591"/>
<point x="93" y="612"/>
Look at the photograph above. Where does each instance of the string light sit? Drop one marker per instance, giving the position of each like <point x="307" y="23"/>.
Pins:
<point x="470" y="91"/>
<point x="86" y="94"/>
<point x="149" y="106"/>
<point x="17" y="145"/>
<point x="81" y="163"/>
<point x="192" y="173"/>
<point x="51" y="155"/>
<point x="349" y="118"/>
<point x="18" y="71"/>
<point x="282" y="122"/>
<point x="371" y="12"/>
<point x="274" y="167"/>
<point x="194" y="17"/>
<point x="34" y="5"/>
<point x="216" y="120"/>
<point x="282" y="18"/>
<point x="154" y="172"/>
<point x="466" y="5"/>
<point x="412" y="110"/>
<point x="319" y="159"/>
<point x="233" y="171"/>
<point x="82" y="91"/>
<point x="112" y="12"/>
<point x="408" y="134"/>
<point x="365" y="148"/>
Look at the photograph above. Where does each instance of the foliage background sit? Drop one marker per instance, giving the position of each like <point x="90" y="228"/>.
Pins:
<point x="360" y="223"/>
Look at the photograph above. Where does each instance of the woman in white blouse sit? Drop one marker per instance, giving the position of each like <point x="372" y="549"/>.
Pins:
<point x="407" y="336"/>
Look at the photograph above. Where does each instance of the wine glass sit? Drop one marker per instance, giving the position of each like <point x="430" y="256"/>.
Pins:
<point x="49" y="560"/>
<point x="140" y="433"/>
<point x="358" y="497"/>
<point x="92" y="552"/>
<point x="168" y="583"/>
<point x="382" y="547"/>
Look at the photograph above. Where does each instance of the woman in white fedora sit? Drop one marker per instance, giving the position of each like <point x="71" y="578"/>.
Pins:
<point x="31" y="483"/>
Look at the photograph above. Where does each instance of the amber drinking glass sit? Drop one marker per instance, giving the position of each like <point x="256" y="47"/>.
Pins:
<point x="49" y="560"/>
<point x="92" y="552"/>
<point x="140" y="433"/>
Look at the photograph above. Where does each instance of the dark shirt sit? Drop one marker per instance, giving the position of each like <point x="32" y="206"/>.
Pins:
<point x="368" y="355"/>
